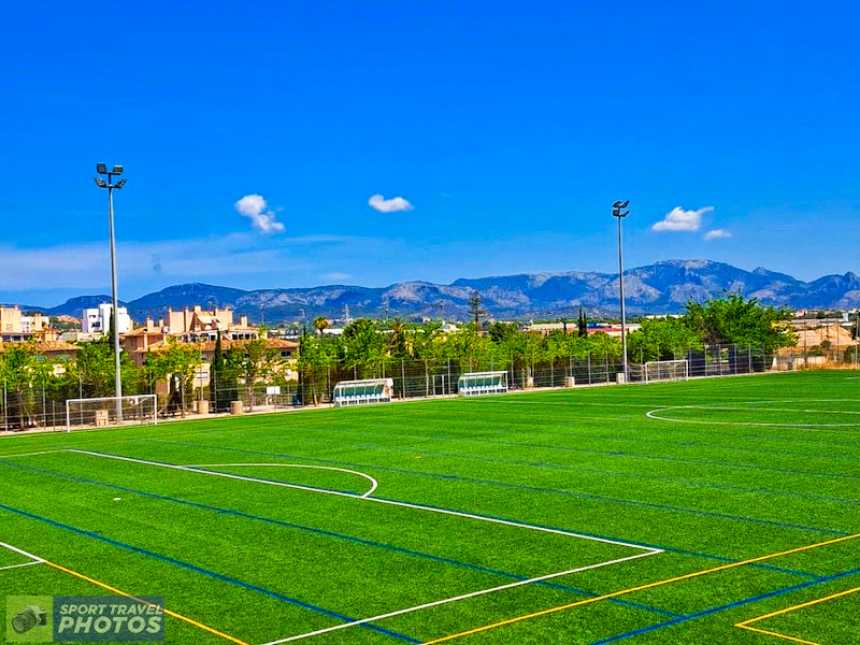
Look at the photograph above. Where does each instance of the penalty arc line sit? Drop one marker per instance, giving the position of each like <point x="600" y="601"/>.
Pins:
<point x="373" y="483"/>
<point x="378" y="500"/>
<point x="644" y="550"/>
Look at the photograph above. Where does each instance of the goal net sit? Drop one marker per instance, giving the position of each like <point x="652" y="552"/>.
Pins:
<point x="476" y="383"/>
<point x="110" y="411"/>
<point x="677" y="370"/>
<point x="379" y="390"/>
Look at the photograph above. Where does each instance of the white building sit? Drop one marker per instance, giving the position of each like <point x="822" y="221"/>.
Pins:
<point x="97" y="319"/>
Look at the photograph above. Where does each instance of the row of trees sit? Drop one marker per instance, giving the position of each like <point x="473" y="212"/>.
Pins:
<point x="30" y="380"/>
<point x="372" y="349"/>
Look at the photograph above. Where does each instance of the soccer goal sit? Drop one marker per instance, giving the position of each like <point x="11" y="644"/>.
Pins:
<point x="377" y="390"/>
<point x="102" y="412"/>
<point x="665" y="371"/>
<point x="477" y="383"/>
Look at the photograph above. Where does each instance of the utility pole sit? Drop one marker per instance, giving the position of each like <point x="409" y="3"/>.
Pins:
<point x="110" y="185"/>
<point x="619" y="212"/>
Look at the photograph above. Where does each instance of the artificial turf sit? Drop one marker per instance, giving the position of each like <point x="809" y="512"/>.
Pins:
<point x="722" y="471"/>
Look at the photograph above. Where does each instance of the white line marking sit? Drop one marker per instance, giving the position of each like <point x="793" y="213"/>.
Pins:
<point x="644" y="551"/>
<point x="465" y="596"/>
<point x="373" y="483"/>
<point x="19" y="566"/>
<point x="326" y="491"/>
<point x="14" y="549"/>
<point x="655" y="414"/>
<point x="215" y="473"/>
<point x="31" y="454"/>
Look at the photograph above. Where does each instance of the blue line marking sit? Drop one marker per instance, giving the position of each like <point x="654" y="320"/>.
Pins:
<point x="732" y="605"/>
<point x="333" y="534"/>
<point x="620" y="473"/>
<point x="540" y="489"/>
<point x="208" y="573"/>
<point x="679" y="551"/>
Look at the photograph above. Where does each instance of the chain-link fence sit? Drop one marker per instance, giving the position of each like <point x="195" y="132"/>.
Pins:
<point x="40" y="407"/>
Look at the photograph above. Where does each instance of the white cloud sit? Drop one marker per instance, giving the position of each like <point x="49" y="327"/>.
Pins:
<point x="394" y="205"/>
<point x="255" y="208"/>
<point x="679" y="219"/>
<point x="717" y="234"/>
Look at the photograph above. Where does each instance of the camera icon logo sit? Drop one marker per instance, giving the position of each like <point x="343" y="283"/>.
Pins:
<point x="28" y="618"/>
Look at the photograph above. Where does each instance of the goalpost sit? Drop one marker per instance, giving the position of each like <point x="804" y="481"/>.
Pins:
<point x="477" y="383"/>
<point x="374" y="390"/>
<point x="675" y="370"/>
<point x="101" y="412"/>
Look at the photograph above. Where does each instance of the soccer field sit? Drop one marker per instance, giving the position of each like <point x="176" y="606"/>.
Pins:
<point x="708" y="511"/>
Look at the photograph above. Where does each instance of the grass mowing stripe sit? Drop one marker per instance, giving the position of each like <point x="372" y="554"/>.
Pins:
<point x="168" y="612"/>
<point x="547" y="490"/>
<point x="686" y="552"/>
<point x="642" y="587"/>
<point x="720" y="608"/>
<point x="577" y="468"/>
<point x="748" y="624"/>
<point x="188" y="566"/>
<point x="327" y="533"/>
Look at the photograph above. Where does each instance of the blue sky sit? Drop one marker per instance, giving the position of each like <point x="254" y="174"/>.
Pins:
<point x="509" y="129"/>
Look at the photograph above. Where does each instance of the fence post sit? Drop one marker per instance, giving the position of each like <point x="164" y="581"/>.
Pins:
<point x="449" y="376"/>
<point x="402" y="379"/>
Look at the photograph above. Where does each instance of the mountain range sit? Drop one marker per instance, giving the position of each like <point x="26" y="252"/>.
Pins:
<point x="662" y="287"/>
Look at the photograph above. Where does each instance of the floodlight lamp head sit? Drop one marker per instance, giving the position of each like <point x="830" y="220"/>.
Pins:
<point x="101" y="183"/>
<point x="120" y="183"/>
<point x="101" y="168"/>
<point x="117" y="169"/>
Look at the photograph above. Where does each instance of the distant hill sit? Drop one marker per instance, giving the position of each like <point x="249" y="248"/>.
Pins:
<point x="663" y="287"/>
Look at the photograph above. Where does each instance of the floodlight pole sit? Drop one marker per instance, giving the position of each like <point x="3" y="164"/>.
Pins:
<point x="110" y="186"/>
<point x="619" y="212"/>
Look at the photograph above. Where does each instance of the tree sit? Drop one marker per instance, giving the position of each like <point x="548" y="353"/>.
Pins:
<point x="475" y="310"/>
<point x="321" y="323"/>
<point x="740" y="321"/>
<point x="582" y="324"/>
<point x="257" y="361"/>
<point x="363" y="348"/>
<point x="178" y="364"/>
<point x="94" y="365"/>
<point x="662" y="339"/>
<point x="17" y="363"/>
<point x="216" y="372"/>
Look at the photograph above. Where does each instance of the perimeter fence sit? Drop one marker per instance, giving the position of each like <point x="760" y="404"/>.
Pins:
<point x="39" y="406"/>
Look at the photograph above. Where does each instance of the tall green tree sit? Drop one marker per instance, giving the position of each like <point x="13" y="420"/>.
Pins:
<point x="216" y="372"/>
<point x="582" y="324"/>
<point x="740" y="321"/>
<point x="475" y="310"/>
<point x="17" y="364"/>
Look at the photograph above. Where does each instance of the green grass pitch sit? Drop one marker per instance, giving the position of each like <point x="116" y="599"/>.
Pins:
<point x="567" y="516"/>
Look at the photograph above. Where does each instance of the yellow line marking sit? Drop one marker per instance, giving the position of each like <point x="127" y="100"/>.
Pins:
<point x="784" y="637"/>
<point x="650" y="585"/>
<point x="172" y="614"/>
<point x="747" y="624"/>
